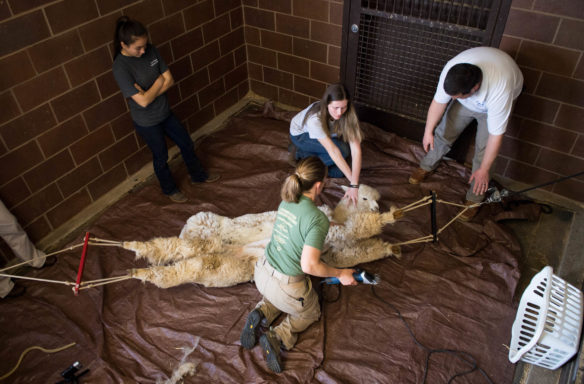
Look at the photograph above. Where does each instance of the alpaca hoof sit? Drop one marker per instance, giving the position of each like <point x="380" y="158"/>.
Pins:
<point x="398" y="214"/>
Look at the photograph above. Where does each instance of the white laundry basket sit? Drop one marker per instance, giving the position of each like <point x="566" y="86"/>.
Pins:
<point x="546" y="331"/>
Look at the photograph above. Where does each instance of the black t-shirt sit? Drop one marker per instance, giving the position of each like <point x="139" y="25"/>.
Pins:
<point x="144" y="71"/>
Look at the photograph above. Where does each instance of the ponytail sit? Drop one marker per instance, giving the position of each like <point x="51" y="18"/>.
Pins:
<point x="308" y="171"/>
<point x="127" y="31"/>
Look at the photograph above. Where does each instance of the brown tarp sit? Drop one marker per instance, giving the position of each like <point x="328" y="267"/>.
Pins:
<point x="455" y="294"/>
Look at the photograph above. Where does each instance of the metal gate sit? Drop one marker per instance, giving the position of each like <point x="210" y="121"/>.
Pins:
<point x="394" y="50"/>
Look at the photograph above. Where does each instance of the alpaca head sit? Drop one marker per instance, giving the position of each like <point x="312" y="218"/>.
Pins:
<point x="367" y="202"/>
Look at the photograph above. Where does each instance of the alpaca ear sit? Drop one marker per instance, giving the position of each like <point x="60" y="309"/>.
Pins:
<point x="345" y="188"/>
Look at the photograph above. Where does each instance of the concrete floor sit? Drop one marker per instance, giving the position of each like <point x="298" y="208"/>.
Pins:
<point x="555" y="239"/>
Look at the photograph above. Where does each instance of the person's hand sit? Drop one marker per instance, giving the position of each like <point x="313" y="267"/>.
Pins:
<point x="352" y="195"/>
<point x="346" y="277"/>
<point x="139" y="88"/>
<point x="428" y="142"/>
<point x="481" y="181"/>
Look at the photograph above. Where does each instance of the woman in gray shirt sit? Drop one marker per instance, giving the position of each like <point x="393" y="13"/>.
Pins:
<point x="144" y="78"/>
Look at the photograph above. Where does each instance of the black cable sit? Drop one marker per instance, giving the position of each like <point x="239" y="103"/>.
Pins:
<point x="548" y="183"/>
<point x="459" y="354"/>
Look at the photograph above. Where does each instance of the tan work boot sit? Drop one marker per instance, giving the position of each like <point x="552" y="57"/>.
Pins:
<point x="178" y="197"/>
<point x="418" y="176"/>
<point x="469" y="213"/>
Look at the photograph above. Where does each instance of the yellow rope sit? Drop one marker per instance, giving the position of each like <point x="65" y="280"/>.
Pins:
<point x="30" y="349"/>
<point x="103" y="280"/>
<point x="416" y="202"/>
<point x="97" y="239"/>
<point x="121" y="278"/>
<point x="423" y="239"/>
<point x="418" y="206"/>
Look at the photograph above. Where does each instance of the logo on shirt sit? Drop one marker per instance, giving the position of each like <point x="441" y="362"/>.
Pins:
<point x="153" y="62"/>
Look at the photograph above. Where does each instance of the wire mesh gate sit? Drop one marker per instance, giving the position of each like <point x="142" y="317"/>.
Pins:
<point x="395" y="49"/>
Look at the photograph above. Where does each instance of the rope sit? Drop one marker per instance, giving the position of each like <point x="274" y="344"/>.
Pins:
<point x="416" y="207"/>
<point x="423" y="239"/>
<point x="42" y="257"/>
<point x="120" y="278"/>
<point x="416" y="202"/>
<point x="37" y="279"/>
<point x="105" y="241"/>
<point x="33" y="348"/>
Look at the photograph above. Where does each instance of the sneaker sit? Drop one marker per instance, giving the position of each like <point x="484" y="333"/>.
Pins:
<point x="50" y="261"/>
<point x="178" y="197"/>
<point x="248" y="334"/>
<point x="418" y="176"/>
<point x="271" y="346"/>
<point x="213" y="177"/>
<point x="469" y="213"/>
<point x="16" y="291"/>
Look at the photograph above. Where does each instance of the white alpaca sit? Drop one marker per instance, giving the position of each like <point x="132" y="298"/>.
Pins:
<point x="217" y="251"/>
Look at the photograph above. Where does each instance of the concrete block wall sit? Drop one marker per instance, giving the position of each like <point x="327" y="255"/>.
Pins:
<point x="66" y="136"/>
<point x="545" y="140"/>
<point x="294" y="48"/>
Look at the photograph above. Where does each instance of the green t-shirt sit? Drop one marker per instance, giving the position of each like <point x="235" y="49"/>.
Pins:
<point x="297" y="224"/>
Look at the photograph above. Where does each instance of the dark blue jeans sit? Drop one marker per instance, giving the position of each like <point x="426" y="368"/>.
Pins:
<point x="154" y="138"/>
<point x="305" y="147"/>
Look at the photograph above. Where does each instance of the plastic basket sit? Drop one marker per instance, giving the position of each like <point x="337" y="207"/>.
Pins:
<point x="546" y="331"/>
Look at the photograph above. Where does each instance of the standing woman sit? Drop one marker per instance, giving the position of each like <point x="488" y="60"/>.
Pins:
<point x="144" y="78"/>
<point x="329" y="129"/>
<point x="292" y="254"/>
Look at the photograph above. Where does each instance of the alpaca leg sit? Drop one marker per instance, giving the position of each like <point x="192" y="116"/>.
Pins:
<point x="208" y="270"/>
<point x="162" y="250"/>
<point x="362" y="251"/>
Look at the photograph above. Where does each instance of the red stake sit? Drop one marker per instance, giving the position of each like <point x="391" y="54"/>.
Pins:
<point x="81" y="264"/>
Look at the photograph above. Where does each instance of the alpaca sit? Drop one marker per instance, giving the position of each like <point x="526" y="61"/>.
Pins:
<point x="218" y="251"/>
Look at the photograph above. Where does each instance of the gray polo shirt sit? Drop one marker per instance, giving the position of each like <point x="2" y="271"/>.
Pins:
<point x="144" y="71"/>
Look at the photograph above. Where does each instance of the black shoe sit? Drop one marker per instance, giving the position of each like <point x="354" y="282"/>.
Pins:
<point x="17" y="290"/>
<point x="248" y="334"/>
<point x="50" y="261"/>
<point x="271" y="346"/>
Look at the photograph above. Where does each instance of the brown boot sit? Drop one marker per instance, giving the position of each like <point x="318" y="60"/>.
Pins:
<point x="469" y="213"/>
<point x="418" y="176"/>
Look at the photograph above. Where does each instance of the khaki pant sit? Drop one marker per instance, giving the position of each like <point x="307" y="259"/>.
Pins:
<point x="297" y="299"/>
<point x="17" y="239"/>
<point x="455" y="120"/>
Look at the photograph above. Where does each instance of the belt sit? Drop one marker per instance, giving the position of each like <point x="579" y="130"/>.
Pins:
<point x="279" y="275"/>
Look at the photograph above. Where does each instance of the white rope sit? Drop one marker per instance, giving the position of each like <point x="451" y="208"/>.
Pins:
<point x="41" y="258"/>
<point x="37" y="279"/>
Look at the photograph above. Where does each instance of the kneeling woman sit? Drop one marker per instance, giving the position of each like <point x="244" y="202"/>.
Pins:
<point x="292" y="254"/>
<point x="330" y="130"/>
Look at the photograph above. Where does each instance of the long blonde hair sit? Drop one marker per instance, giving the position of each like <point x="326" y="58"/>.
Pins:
<point x="308" y="171"/>
<point x="347" y="127"/>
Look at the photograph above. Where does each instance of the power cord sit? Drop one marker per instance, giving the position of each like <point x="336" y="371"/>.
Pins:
<point x="464" y="356"/>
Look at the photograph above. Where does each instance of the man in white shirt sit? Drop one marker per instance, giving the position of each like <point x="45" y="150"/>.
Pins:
<point x="480" y="83"/>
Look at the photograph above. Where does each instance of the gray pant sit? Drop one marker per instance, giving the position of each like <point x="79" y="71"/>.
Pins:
<point x="455" y="120"/>
<point x="285" y="297"/>
<point x="17" y="239"/>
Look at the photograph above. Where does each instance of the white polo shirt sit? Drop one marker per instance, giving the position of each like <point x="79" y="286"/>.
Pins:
<point x="502" y="83"/>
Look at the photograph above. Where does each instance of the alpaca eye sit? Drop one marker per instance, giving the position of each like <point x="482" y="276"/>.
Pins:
<point x="364" y="198"/>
